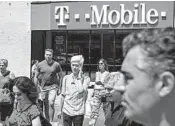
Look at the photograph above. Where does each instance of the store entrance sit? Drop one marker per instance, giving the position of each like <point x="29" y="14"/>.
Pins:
<point x="92" y="44"/>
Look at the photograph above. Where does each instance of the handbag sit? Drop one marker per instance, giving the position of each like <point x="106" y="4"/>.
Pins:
<point x="5" y="96"/>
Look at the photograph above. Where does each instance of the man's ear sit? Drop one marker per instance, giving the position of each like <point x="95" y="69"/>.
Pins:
<point x="167" y="83"/>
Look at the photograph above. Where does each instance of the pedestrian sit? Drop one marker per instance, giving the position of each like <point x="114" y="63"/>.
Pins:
<point x="149" y="77"/>
<point x="115" y="114"/>
<point x="5" y="73"/>
<point x="74" y="94"/>
<point x="25" y="111"/>
<point x="99" y="92"/>
<point x="6" y="77"/>
<point x="34" y="67"/>
<point x="49" y="75"/>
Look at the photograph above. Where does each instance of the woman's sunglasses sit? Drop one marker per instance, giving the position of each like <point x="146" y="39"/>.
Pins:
<point x="100" y="63"/>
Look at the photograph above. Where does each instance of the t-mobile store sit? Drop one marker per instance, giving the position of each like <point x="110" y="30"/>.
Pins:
<point x="93" y="29"/>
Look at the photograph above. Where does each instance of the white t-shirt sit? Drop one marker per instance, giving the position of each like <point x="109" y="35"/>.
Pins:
<point x="101" y="77"/>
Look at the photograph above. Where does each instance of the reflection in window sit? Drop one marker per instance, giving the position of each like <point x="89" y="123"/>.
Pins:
<point x="78" y="44"/>
<point x="105" y="44"/>
<point x="108" y="47"/>
<point x="120" y="35"/>
<point x="59" y="47"/>
<point x="95" y="46"/>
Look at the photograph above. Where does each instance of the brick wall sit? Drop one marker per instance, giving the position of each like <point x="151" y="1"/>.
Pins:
<point x="15" y="35"/>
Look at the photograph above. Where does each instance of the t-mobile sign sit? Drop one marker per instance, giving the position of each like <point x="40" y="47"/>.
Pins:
<point x="100" y="17"/>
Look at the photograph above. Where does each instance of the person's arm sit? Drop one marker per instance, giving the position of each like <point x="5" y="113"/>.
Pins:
<point x="62" y="97"/>
<point x="59" y="78"/>
<point x="60" y="110"/>
<point x="59" y="73"/>
<point x="37" y="71"/>
<point x="85" y="86"/>
<point x="36" y="77"/>
<point x="36" y="121"/>
<point x="97" y="79"/>
<point x="86" y="83"/>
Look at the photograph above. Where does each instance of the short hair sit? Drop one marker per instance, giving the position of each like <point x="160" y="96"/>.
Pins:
<point x="78" y="58"/>
<point x="26" y="86"/>
<point x="4" y="61"/>
<point x="50" y="50"/>
<point x="159" y="45"/>
<point x="105" y="63"/>
<point x="34" y="62"/>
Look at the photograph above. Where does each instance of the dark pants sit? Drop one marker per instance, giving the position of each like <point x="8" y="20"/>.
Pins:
<point x="5" y="110"/>
<point x="76" y="120"/>
<point x="40" y="103"/>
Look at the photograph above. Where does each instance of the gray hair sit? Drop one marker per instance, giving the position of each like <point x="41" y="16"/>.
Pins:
<point x="4" y="61"/>
<point x="159" y="45"/>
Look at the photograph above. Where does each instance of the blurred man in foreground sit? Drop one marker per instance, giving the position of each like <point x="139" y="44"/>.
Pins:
<point x="149" y="77"/>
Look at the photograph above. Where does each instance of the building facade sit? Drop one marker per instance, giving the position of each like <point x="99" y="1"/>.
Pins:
<point x="93" y="29"/>
<point x="15" y="36"/>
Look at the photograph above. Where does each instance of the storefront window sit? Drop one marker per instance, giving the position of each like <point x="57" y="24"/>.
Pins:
<point x="95" y="52"/>
<point x="78" y="44"/>
<point x="38" y="44"/>
<point x="119" y="36"/>
<point x="59" y="47"/>
<point x="93" y="45"/>
<point x="108" y="47"/>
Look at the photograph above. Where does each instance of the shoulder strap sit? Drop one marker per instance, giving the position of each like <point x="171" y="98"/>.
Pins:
<point x="27" y="107"/>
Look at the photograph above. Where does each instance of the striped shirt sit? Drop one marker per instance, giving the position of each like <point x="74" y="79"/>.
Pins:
<point x="75" y="92"/>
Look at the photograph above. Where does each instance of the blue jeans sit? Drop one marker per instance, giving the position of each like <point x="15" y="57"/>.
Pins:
<point x="76" y="120"/>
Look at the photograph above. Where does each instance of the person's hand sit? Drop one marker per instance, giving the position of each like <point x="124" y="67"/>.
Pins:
<point x="80" y="75"/>
<point x="120" y="84"/>
<point x="59" y="114"/>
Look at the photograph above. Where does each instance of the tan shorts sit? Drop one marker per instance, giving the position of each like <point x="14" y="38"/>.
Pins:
<point x="49" y="95"/>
